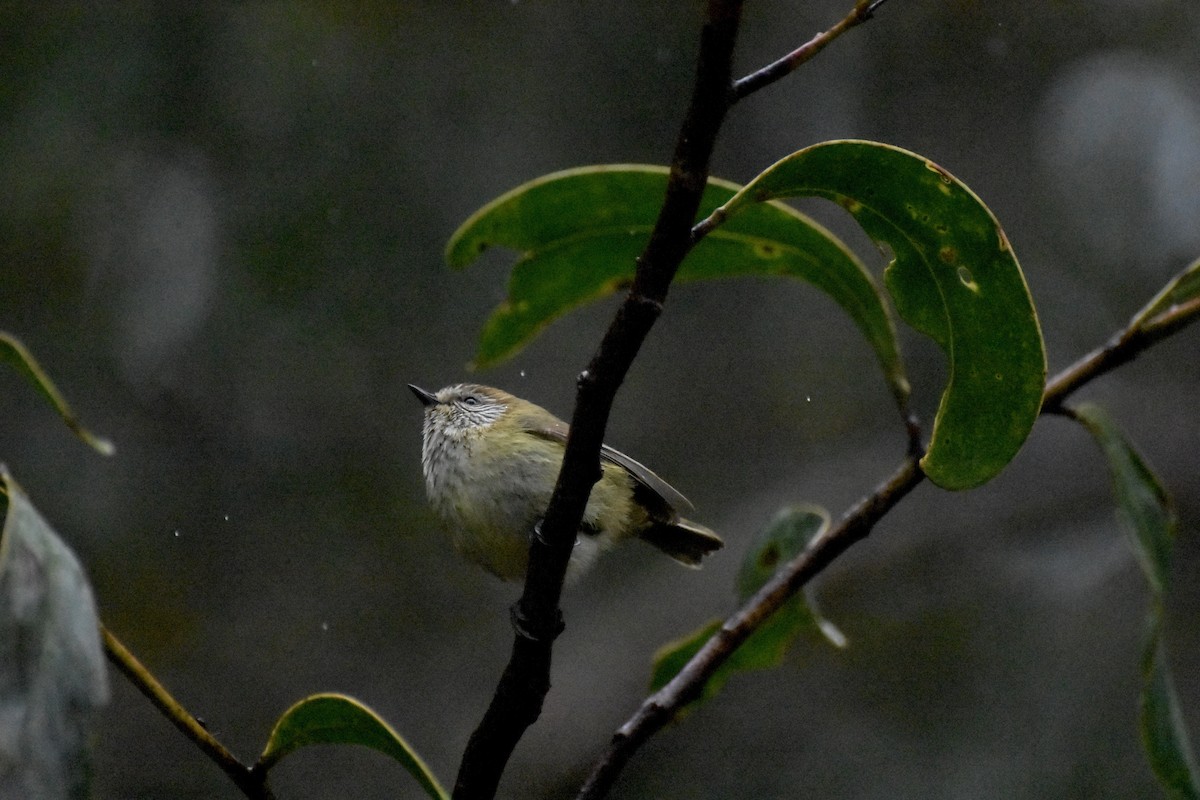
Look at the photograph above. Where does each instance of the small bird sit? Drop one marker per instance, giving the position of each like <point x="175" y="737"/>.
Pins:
<point x="491" y="461"/>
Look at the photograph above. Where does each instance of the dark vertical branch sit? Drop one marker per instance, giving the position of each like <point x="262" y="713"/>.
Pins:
<point x="536" y="616"/>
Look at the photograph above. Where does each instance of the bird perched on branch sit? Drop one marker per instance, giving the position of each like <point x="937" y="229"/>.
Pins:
<point x="491" y="461"/>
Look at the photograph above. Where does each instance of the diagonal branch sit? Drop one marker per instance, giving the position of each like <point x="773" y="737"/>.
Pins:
<point x="1122" y="348"/>
<point x="863" y="11"/>
<point x="661" y="707"/>
<point x="253" y="785"/>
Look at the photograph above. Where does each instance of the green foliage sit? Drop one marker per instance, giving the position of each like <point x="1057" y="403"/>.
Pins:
<point x="51" y="660"/>
<point x="13" y="353"/>
<point x="338" y="719"/>
<point x="954" y="277"/>
<point x="779" y="542"/>
<point x="579" y="233"/>
<point x="1142" y="503"/>
<point x="1145" y="511"/>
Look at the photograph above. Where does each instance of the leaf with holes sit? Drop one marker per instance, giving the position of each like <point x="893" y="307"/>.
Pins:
<point x="954" y="277"/>
<point x="580" y="232"/>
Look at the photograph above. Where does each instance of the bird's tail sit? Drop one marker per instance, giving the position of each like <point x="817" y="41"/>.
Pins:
<point x="683" y="540"/>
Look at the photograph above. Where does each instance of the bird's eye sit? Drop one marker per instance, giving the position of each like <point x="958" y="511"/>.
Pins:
<point x="470" y="400"/>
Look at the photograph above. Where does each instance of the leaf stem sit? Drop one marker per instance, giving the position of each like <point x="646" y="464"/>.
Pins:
<point x="252" y="785"/>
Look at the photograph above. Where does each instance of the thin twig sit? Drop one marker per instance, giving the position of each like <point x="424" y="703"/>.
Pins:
<point x="863" y="10"/>
<point x="760" y="79"/>
<point x="536" y="616"/>
<point x="1122" y="348"/>
<point x="661" y="707"/>
<point x="252" y="785"/>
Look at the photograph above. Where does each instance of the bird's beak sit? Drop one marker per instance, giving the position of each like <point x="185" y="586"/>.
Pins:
<point x="426" y="398"/>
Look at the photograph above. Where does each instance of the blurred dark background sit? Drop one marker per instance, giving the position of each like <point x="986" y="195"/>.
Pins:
<point x="221" y="233"/>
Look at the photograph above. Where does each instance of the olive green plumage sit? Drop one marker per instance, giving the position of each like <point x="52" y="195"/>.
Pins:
<point x="491" y="460"/>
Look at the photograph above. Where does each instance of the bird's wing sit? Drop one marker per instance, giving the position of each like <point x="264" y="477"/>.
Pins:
<point x="645" y="476"/>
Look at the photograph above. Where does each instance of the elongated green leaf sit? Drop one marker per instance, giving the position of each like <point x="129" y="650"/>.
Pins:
<point x="954" y="277"/>
<point x="1146" y="512"/>
<point x="1183" y="288"/>
<point x="781" y="541"/>
<point x="52" y="671"/>
<point x="1163" y="732"/>
<point x="1143" y="506"/>
<point x="338" y="719"/>
<point x="579" y="232"/>
<point x="13" y="353"/>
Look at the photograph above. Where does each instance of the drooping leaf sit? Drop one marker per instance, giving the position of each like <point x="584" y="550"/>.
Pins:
<point x="954" y="277"/>
<point x="338" y="719"/>
<point x="781" y="541"/>
<point x="1164" y="734"/>
<point x="579" y="232"/>
<point x="1143" y="506"/>
<point x="15" y="354"/>
<point x="1183" y="288"/>
<point x="52" y="673"/>
<point x="1147" y="514"/>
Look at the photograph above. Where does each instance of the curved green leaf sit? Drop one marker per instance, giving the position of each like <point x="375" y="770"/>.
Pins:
<point x="1147" y="514"/>
<point x="13" y="353"/>
<point x="338" y="719"/>
<point x="579" y="233"/>
<point x="954" y="278"/>
<point x="781" y="541"/>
